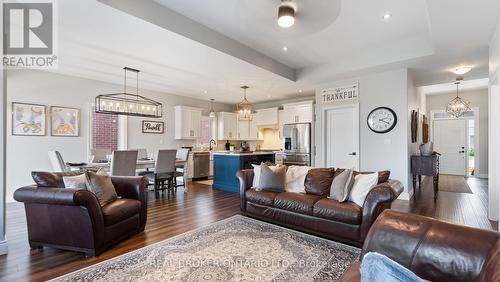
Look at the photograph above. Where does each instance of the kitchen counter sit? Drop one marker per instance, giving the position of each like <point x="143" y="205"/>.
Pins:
<point x="227" y="164"/>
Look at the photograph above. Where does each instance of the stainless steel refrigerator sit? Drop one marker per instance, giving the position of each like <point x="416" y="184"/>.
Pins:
<point x="297" y="144"/>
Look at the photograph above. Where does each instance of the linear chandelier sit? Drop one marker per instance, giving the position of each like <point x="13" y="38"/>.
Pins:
<point x="127" y="103"/>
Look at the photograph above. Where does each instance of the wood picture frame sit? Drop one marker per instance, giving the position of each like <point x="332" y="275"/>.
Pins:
<point x="64" y="121"/>
<point x="29" y="119"/>
<point x="153" y="127"/>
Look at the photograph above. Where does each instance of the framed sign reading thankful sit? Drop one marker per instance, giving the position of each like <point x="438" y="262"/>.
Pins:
<point x="340" y="94"/>
<point x="155" y="127"/>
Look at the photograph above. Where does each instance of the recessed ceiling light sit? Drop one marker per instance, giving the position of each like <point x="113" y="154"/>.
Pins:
<point x="461" y="70"/>
<point x="387" y="16"/>
<point x="300" y="90"/>
<point x="205" y="91"/>
<point x="285" y="48"/>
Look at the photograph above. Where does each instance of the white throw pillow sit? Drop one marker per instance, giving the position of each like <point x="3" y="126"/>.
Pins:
<point x="77" y="181"/>
<point x="363" y="183"/>
<point x="295" y="178"/>
<point x="256" y="174"/>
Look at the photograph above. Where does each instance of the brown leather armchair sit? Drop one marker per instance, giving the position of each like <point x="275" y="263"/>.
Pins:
<point x="72" y="219"/>
<point x="433" y="249"/>
<point x="317" y="215"/>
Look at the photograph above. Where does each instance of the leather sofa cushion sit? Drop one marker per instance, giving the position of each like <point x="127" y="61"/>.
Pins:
<point x="346" y="212"/>
<point x="319" y="180"/>
<point x="120" y="210"/>
<point x="51" y="179"/>
<point x="265" y="198"/>
<point x="295" y="202"/>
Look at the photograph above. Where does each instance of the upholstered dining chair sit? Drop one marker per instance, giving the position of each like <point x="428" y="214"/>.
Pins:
<point x="164" y="173"/>
<point x="100" y="154"/>
<point x="182" y="154"/>
<point x="57" y="162"/>
<point x="124" y="163"/>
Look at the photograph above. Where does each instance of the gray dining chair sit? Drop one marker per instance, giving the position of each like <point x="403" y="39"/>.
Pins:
<point x="182" y="154"/>
<point x="100" y="154"/>
<point x="123" y="163"/>
<point x="57" y="162"/>
<point x="164" y="173"/>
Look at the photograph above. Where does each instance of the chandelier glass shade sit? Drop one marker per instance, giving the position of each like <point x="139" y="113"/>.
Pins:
<point x="244" y="108"/>
<point x="286" y="15"/>
<point x="458" y="106"/>
<point x="127" y="103"/>
<point x="211" y="114"/>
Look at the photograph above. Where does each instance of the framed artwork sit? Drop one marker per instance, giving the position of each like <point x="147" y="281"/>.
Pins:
<point x="64" y="121"/>
<point x="28" y="119"/>
<point x="155" y="127"/>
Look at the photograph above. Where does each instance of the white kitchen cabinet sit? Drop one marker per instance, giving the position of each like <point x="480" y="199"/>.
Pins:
<point x="254" y="133"/>
<point x="187" y="122"/>
<point x="301" y="112"/>
<point x="281" y="121"/>
<point x="227" y="126"/>
<point x="266" y="117"/>
<point x="243" y="130"/>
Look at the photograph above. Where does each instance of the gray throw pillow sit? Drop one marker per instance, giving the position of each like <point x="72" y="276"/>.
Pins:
<point x="100" y="184"/>
<point x="77" y="181"/>
<point x="341" y="186"/>
<point x="272" y="180"/>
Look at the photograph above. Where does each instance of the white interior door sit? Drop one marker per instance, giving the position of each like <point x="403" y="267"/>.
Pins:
<point x="450" y="140"/>
<point x="342" y="137"/>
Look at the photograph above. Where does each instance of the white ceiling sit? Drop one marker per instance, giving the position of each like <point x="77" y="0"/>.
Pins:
<point x="187" y="47"/>
<point x="443" y="88"/>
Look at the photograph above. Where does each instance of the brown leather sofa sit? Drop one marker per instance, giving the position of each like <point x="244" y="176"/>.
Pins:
<point x="315" y="214"/>
<point x="73" y="220"/>
<point x="432" y="249"/>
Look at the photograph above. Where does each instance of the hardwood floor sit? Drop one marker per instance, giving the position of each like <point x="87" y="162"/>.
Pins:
<point x="202" y="205"/>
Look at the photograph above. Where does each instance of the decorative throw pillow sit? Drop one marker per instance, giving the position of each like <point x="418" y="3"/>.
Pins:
<point x="363" y="183"/>
<point x="383" y="175"/>
<point x="341" y="185"/>
<point x="319" y="180"/>
<point x="100" y="184"/>
<point x="296" y="178"/>
<point x="272" y="180"/>
<point x="77" y="181"/>
<point x="256" y="172"/>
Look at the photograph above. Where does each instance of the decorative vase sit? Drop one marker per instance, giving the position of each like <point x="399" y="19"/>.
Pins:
<point x="426" y="149"/>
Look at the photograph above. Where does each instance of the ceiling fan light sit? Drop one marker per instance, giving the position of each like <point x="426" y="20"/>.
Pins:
<point x="286" y="16"/>
<point x="461" y="70"/>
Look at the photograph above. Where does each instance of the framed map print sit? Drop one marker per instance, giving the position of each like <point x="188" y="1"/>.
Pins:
<point x="28" y="119"/>
<point x="64" y="121"/>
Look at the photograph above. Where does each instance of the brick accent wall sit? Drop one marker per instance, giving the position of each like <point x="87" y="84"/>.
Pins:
<point x="105" y="131"/>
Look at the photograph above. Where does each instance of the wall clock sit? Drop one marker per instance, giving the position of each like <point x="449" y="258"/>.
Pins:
<point x="382" y="120"/>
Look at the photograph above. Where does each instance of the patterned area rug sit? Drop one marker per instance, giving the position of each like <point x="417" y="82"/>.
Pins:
<point x="234" y="249"/>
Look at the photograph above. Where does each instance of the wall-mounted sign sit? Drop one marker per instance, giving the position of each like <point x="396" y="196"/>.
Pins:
<point x="156" y="127"/>
<point x="340" y="94"/>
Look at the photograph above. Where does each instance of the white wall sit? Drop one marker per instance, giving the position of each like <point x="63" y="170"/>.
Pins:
<point x="477" y="98"/>
<point x="413" y="105"/>
<point x="494" y="127"/>
<point x="377" y="151"/>
<point x="26" y="154"/>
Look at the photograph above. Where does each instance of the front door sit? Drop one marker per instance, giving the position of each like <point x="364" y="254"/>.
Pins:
<point x="450" y="137"/>
<point x="342" y="137"/>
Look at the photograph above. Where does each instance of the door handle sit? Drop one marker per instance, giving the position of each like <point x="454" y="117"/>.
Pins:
<point x="352" y="154"/>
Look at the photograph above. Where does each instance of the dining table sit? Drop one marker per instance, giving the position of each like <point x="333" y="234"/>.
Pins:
<point x="141" y="164"/>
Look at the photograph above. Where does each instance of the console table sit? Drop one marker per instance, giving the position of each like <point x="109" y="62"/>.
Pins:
<point x="427" y="166"/>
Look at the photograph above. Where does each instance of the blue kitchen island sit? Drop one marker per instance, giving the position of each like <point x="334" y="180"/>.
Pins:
<point x="227" y="164"/>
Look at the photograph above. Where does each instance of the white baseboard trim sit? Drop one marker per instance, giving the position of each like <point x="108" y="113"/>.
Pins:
<point x="483" y="175"/>
<point x="3" y="247"/>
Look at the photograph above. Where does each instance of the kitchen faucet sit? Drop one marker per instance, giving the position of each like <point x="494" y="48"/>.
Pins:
<point x="212" y="141"/>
